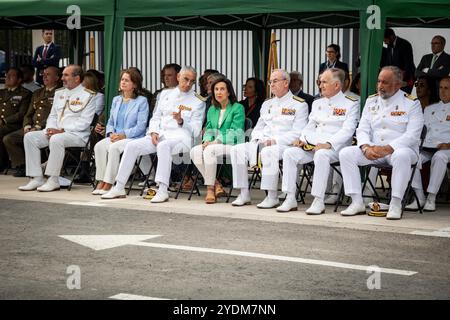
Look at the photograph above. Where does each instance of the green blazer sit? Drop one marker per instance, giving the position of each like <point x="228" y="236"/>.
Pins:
<point x="232" y="129"/>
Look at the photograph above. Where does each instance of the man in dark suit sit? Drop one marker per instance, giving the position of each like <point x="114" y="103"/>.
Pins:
<point x="333" y="56"/>
<point x="296" y="87"/>
<point x="46" y="55"/>
<point x="435" y="65"/>
<point x="399" y="53"/>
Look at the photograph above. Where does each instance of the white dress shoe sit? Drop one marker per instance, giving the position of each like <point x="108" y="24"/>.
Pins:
<point x="331" y="199"/>
<point x="429" y="205"/>
<point x="268" y="203"/>
<point x="413" y="205"/>
<point x="290" y="204"/>
<point x="317" y="207"/>
<point x="394" y="213"/>
<point x="240" y="201"/>
<point x="354" y="209"/>
<point x="96" y="192"/>
<point x="49" y="186"/>
<point x="33" y="184"/>
<point x="114" y="194"/>
<point x="160" y="197"/>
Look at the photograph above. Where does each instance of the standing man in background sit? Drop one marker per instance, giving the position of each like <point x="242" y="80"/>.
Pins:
<point x="46" y="55"/>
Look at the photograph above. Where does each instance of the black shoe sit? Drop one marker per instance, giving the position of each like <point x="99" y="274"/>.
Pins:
<point x="20" y="172"/>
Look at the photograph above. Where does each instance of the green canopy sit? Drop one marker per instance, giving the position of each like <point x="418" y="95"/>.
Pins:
<point x="257" y="15"/>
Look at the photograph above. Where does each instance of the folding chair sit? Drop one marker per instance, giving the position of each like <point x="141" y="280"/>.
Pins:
<point x="409" y="188"/>
<point x="137" y="169"/>
<point x="74" y="154"/>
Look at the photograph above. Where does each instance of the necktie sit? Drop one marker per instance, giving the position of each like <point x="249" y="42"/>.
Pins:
<point x="433" y="60"/>
<point x="44" y="53"/>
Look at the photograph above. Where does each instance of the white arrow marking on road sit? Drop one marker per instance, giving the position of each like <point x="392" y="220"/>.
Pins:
<point x="128" y="296"/>
<point x="100" y="242"/>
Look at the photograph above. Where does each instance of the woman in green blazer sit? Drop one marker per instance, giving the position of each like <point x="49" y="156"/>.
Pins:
<point x="224" y="128"/>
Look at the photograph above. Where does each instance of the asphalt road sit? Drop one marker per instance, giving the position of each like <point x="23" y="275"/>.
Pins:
<point x="34" y="259"/>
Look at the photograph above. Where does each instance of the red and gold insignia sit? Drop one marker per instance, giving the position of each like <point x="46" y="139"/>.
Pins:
<point x="181" y="108"/>
<point x="448" y="118"/>
<point x="339" y="112"/>
<point x="287" y="112"/>
<point x="398" y="113"/>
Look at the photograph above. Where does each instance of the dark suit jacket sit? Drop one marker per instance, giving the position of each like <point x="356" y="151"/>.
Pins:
<point x="441" y="67"/>
<point x="308" y="98"/>
<point x="52" y="59"/>
<point x="338" y="64"/>
<point x="402" y="58"/>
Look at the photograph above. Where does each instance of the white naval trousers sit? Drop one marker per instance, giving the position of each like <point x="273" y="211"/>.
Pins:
<point x="294" y="156"/>
<point x="165" y="150"/>
<point x="206" y="160"/>
<point x="401" y="160"/>
<point x="36" y="140"/>
<point x="270" y="156"/>
<point x="107" y="158"/>
<point x="438" y="169"/>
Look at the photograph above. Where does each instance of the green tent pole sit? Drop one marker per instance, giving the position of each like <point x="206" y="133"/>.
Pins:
<point x="371" y="42"/>
<point x="114" y="27"/>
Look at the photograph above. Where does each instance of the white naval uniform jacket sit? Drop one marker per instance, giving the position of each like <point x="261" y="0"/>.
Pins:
<point x="332" y="120"/>
<point x="281" y="119"/>
<point x="173" y="100"/>
<point x="437" y="120"/>
<point x="73" y="111"/>
<point x="397" y="121"/>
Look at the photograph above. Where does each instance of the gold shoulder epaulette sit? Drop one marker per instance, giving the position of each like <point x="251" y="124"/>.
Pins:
<point x="298" y="99"/>
<point x="351" y="98"/>
<point x="200" y="97"/>
<point x="89" y="90"/>
<point x="373" y="95"/>
<point x="410" y="97"/>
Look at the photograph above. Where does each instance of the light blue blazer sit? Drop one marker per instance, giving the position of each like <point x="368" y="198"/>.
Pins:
<point x="136" y="116"/>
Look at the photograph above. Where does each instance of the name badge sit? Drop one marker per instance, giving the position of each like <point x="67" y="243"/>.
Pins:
<point x="287" y="112"/>
<point x="339" y="112"/>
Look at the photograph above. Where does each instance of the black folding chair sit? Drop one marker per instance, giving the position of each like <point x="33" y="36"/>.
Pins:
<point x="409" y="190"/>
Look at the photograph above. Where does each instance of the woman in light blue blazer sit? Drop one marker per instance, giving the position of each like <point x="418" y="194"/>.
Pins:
<point x="127" y="121"/>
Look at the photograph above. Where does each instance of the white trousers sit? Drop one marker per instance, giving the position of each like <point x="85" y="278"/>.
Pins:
<point x="107" y="158"/>
<point x="401" y="161"/>
<point x="206" y="160"/>
<point x="165" y="150"/>
<point x="36" y="140"/>
<point x="294" y="156"/>
<point x="270" y="156"/>
<point x="437" y="170"/>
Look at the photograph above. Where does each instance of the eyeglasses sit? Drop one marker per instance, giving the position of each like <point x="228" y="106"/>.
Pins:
<point x="435" y="43"/>
<point x="274" y="81"/>
<point x="191" y="81"/>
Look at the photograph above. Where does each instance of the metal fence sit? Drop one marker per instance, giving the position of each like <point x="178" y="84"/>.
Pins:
<point x="230" y="52"/>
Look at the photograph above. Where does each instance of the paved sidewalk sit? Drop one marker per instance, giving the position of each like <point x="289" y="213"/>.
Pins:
<point x="433" y="224"/>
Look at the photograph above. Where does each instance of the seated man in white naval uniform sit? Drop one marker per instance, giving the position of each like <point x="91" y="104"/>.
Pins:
<point x="388" y="134"/>
<point x="68" y="125"/>
<point x="436" y="147"/>
<point x="332" y="123"/>
<point x="281" y="121"/>
<point x="177" y="120"/>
